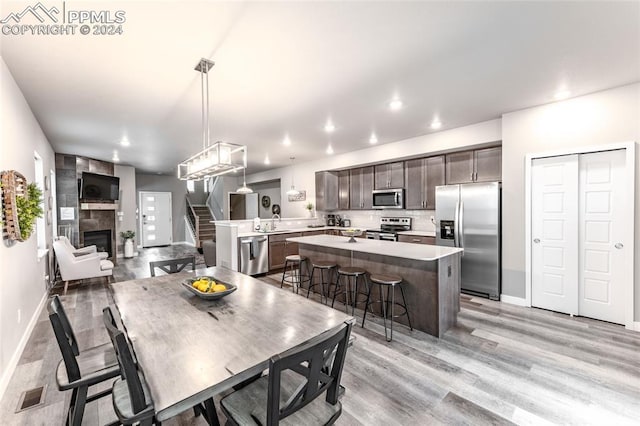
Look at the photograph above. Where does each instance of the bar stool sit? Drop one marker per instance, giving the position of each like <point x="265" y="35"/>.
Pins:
<point x="389" y="281"/>
<point x="294" y="277"/>
<point x="322" y="266"/>
<point x="351" y="274"/>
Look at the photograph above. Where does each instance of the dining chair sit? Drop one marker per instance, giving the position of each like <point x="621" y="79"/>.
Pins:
<point x="131" y="400"/>
<point x="172" y="266"/>
<point x="296" y="379"/>
<point x="79" y="370"/>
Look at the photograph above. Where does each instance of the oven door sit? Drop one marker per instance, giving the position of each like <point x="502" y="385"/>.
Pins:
<point x="388" y="199"/>
<point x="373" y="235"/>
<point x="388" y="237"/>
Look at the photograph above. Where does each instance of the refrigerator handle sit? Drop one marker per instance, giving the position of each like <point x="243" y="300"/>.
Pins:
<point x="456" y="225"/>
<point x="461" y="225"/>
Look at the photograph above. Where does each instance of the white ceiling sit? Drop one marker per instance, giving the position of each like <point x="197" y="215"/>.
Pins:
<point x="284" y="68"/>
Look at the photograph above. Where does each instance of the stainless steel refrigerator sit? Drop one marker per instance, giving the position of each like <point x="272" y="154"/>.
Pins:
<point x="468" y="216"/>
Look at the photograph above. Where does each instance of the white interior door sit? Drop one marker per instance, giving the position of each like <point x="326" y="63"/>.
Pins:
<point x="605" y="262"/>
<point x="156" y="222"/>
<point x="554" y="231"/>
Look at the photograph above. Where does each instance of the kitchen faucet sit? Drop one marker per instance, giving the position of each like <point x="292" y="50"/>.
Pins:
<point x="273" y="225"/>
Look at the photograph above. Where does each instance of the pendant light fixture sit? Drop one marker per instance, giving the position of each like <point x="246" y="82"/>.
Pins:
<point x="293" y="191"/>
<point x="214" y="159"/>
<point x="244" y="189"/>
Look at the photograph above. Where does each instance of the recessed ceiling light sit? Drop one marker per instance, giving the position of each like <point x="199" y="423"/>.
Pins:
<point x="286" y="141"/>
<point x="266" y="160"/>
<point x="436" y="124"/>
<point x="373" y="139"/>
<point x="329" y="149"/>
<point x="329" y="127"/>
<point x="395" y="104"/>
<point x="125" y="142"/>
<point x="562" y="94"/>
<point x="115" y="157"/>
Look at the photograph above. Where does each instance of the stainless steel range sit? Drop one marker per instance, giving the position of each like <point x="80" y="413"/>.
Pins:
<point x="389" y="228"/>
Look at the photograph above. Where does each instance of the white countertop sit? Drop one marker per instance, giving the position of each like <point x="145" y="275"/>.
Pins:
<point x="424" y="252"/>
<point x="418" y="233"/>
<point x="286" y="231"/>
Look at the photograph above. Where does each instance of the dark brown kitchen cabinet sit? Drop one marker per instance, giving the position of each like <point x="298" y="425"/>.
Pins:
<point x="422" y="177"/>
<point x="480" y="165"/>
<point x="360" y="188"/>
<point x="326" y="191"/>
<point x="279" y="248"/>
<point x="343" y="190"/>
<point x="390" y="175"/>
<point x="417" y="239"/>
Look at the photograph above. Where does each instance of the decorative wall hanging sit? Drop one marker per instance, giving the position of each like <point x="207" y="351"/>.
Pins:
<point x="21" y="206"/>
<point x="266" y="201"/>
<point x="300" y="196"/>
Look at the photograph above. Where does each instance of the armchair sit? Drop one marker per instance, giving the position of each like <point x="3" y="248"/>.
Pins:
<point x="83" y="250"/>
<point x="78" y="268"/>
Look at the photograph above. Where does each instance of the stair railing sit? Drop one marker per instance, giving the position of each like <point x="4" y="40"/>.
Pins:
<point x="193" y="220"/>
<point x="216" y="192"/>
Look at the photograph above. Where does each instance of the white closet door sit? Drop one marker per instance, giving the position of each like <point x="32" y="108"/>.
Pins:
<point x="554" y="249"/>
<point x="605" y="262"/>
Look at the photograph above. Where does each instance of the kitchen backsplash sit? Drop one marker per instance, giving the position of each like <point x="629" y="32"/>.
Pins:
<point x="420" y="219"/>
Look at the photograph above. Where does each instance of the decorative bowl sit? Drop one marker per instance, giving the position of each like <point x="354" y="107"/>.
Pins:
<point x="188" y="284"/>
<point x="352" y="233"/>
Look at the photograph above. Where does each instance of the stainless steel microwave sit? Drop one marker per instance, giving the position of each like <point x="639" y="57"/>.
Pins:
<point x="388" y="199"/>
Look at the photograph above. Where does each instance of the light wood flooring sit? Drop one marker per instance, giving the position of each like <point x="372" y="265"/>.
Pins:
<point x="502" y="364"/>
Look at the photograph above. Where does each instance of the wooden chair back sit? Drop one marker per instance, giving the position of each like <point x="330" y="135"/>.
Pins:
<point x="128" y="368"/>
<point x="320" y="361"/>
<point x="65" y="337"/>
<point x="172" y="266"/>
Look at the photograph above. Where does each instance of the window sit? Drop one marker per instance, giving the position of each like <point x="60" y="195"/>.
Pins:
<point x="206" y="185"/>
<point x="190" y="186"/>
<point x="40" y="225"/>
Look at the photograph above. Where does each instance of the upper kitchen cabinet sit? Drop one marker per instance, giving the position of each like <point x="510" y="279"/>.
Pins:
<point x="327" y="191"/>
<point x="422" y="177"/>
<point x="361" y="188"/>
<point x="343" y="190"/>
<point x="480" y="165"/>
<point x="390" y="175"/>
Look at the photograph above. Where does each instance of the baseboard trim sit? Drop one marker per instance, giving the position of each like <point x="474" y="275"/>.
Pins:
<point x="520" y="301"/>
<point x="13" y="362"/>
<point x="635" y="326"/>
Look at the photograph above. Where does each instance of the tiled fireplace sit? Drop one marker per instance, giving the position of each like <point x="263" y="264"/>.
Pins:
<point x="101" y="239"/>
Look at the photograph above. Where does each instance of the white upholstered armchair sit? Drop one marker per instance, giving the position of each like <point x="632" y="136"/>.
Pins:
<point x="83" y="250"/>
<point x="80" y="267"/>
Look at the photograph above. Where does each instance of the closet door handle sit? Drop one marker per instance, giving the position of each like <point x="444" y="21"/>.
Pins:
<point x="619" y="246"/>
<point x="536" y="240"/>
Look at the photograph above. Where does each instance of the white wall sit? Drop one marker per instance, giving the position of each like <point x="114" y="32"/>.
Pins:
<point x="128" y="220"/>
<point x="22" y="274"/>
<point x="601" y="118"/>
<point x="304" y="173"/>
<point x="271" y="190"/>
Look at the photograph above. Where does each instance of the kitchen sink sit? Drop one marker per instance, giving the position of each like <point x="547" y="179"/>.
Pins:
<point x="274" y="231"/>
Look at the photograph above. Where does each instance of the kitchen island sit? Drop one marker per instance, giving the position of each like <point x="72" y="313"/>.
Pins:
<point x="431" y="273"/>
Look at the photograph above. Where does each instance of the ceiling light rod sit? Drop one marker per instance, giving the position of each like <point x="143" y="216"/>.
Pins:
<point x="214" y="159"/>
<point x="293" y="191"/>
<point x="244" y="189"/>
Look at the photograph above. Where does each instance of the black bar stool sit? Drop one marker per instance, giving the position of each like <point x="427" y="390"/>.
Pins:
<point x="322" y="266"/>
<point x="295" y="277"/>
<point x="390" y="282"/>
<point x="350" y="291"/>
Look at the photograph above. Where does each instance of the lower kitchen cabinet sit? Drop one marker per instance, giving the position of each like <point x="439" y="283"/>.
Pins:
<point x="280" y="248"/>
<point x="418" y="239"/>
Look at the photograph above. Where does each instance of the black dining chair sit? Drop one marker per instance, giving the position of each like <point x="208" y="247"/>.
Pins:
<point x="172" y="266"/>
<point x="78" y="370"/>
<point x="131" y="400"/>
<point x="296" y="380"/>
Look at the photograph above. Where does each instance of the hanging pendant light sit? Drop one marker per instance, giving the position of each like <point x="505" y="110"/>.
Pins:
<point x="244" y="189"/>
<point x="293" y="191"/>
<point x="214" y="159"/>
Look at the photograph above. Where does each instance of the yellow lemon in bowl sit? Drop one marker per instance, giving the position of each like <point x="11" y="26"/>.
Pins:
<point x="219" y="287"/>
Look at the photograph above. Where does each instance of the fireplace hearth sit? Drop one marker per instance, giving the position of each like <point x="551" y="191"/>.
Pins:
<point x="101" y="239"/>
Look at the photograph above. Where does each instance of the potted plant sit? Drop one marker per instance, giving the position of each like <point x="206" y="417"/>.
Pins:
<point x="128" y="237"/>
<point x="309" y="207"/>
<point x="29" y="209"/>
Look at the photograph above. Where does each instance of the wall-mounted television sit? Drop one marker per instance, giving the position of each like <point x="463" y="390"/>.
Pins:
<point x="97" y="187"/>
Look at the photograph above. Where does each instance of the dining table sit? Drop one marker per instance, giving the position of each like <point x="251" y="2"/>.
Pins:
<point x="191" y="349"/>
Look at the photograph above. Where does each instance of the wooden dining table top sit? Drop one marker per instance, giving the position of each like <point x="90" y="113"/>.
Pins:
<point x="191" y="349"/>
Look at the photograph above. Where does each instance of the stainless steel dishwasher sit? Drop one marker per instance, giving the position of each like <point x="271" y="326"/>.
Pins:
<point x="254" y="255"/>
